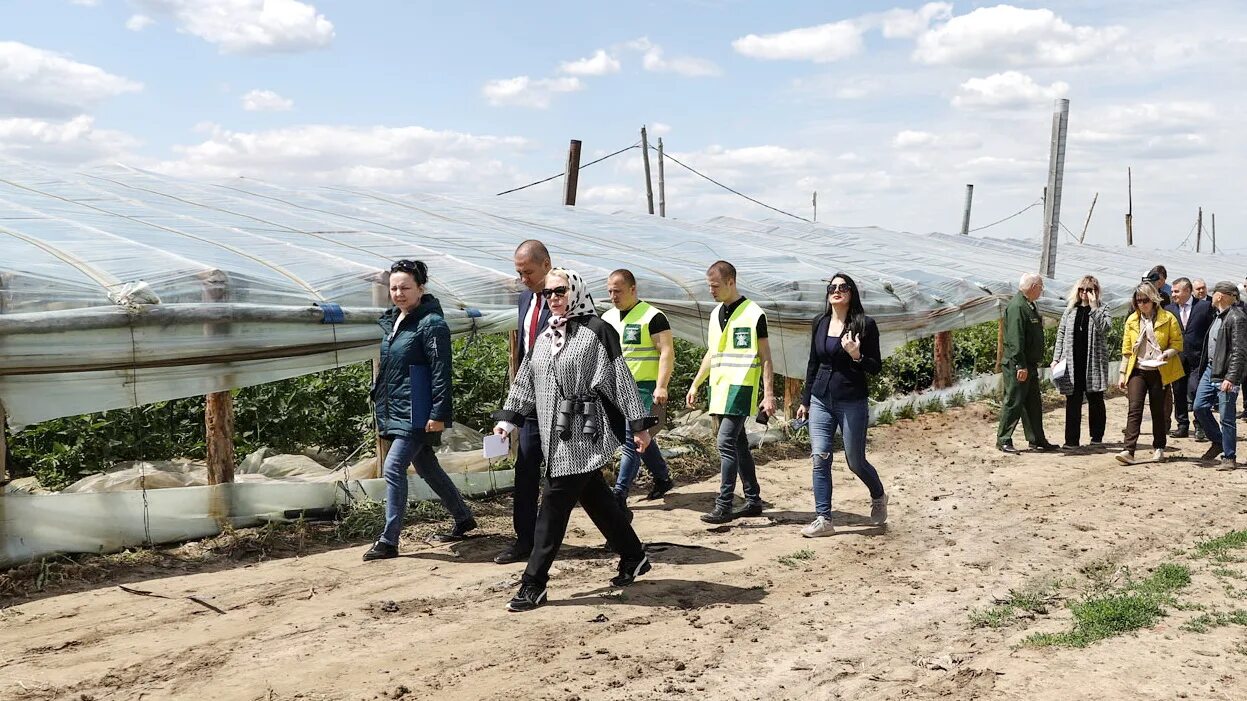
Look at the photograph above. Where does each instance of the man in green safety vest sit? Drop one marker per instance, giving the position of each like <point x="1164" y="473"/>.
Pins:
<point x="648" y="349"/>
<point x="738" y="363"/>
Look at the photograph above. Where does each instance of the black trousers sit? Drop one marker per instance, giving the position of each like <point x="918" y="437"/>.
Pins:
<point x="1096" y="416"/>
<point x="1184" y="396"/>
<point x="527" y="483"/>
<point x="560" y="497"/>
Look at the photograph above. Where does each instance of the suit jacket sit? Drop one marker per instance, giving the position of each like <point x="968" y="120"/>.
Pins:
<point x="521" y="347"/>
<point x="1194" y="330"/>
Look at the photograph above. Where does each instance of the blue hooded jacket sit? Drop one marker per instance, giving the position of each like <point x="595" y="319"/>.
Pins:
<point x="423" y="338"/>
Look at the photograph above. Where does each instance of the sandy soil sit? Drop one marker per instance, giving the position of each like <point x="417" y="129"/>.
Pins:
<point x="879" y="613"/>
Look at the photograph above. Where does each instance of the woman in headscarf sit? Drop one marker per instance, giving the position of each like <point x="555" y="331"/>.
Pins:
<point x="577" y="385"/>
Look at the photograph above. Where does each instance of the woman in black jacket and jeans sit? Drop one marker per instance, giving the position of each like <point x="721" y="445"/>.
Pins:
<point x="844" y="347"/>
<point x="415" y="336"/>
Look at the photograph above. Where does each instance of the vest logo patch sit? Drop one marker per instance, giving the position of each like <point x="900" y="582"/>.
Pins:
<point x="741" y="338"/>
<point x="632" y="334"/>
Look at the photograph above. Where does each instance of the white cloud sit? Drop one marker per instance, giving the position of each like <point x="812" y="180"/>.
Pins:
<point x="265" y="101"/>
<point x="821" y="44"/>
<point x="912" y="139"/>
<point x="1161" y="130"/>
<point x="907" y="24"/>
<point x="654" y="60"/>
<point x="1007" y="35"/>
<point x="44" y="83"/>
<point x="389" y="157"/>
<point x="600" y="63"/>
<point x="247" y="26"/>
<point x="73" y="141"/>
<point x="527" y="92"/>
<point x="138" y="23"/>
<point x="85" y="3"/>
<point x="659" y="129"/>
<point x="1006" y="91"/>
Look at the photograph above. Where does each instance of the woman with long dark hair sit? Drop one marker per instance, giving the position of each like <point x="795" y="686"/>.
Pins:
<point x="415" y="350"/>
<point x="844" y="348"/>
<point x="1150" y="346"/>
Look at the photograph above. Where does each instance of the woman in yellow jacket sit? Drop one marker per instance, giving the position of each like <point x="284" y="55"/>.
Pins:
<point x="1150" y="348"/>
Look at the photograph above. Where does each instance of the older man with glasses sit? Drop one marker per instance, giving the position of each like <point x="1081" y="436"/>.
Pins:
<point x="1024" y="351"/>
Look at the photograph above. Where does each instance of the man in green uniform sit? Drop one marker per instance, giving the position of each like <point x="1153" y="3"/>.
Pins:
<point x="1024" y="351"/>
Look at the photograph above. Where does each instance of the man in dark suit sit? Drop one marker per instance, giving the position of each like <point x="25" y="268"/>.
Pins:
<point x="1194" y="316"/>
<point x="532" y="263"/>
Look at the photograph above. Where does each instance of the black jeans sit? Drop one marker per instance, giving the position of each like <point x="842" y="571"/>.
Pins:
<point x="1096" y="416"/>
<point x="527" y="483"/>
<point x="560" y="497"/>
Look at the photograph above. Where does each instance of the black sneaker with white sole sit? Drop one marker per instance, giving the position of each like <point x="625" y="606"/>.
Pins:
<point x="529" y="597"/>
<point x="458" y="533"/>
<point x="629" y="570"/>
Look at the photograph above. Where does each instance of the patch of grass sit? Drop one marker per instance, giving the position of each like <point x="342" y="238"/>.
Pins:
<point x="793" y="559"/>
<point x="1227" y="572"/>
<point x="1208" y="621"/>
<point x="934" y="405"/>
<point x="957" y="400"/>
<point x="1164" y="580"/>
<point x="1219" y="548"/>
<point x="907" y="412"/>
<point x="885" y="418"/>
<point x="1034" y="598"/>
<point x="1110" y="611"/>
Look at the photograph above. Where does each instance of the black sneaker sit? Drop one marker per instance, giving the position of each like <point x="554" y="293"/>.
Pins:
<point x="629" y="570"/>
<point x="749" y="509"/>
<point x="529" y="597"/>
<point x="1043" y="447"/>
<point x="1180" y="433"/>
<point x="515" y="553"/>
<point x="459" y="532"/>
<point x="660" y="488"/>
<point x="720" y="514"/>
<point x="381" y="551"/>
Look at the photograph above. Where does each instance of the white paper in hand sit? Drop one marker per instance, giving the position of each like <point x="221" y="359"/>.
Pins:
<point x="497" y="446"/>
<point x="1061" y="369"/>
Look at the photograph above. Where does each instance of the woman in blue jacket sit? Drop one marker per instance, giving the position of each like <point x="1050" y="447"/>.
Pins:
<point x="415" y="336"/>
<point x="844" y="348"/>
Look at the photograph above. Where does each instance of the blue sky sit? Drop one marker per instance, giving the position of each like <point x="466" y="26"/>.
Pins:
<point x="887" y="109"/>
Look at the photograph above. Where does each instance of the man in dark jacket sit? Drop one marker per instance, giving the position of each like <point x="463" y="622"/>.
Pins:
<point x="1024" y="351"/>
<point x="532" y="264"/>
<point x="1194" y="316"/>
<point x="1222" y="368"/>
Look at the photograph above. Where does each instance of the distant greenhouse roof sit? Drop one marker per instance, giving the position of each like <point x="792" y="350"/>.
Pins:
<point x="120" y="287"/>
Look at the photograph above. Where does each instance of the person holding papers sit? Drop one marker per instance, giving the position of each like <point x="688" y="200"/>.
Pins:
<point x="1080" y="360"/>
<point x="1150" y="348"/>
<point x="412" y="393"/>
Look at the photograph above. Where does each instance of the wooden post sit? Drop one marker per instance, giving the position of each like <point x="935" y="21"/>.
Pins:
<point x="380" y="298"/>
<point x="219" y="406"/>
<point x="814" y="201"/>
<point x="792" y="396"/>
<point x="662" y="183"/>
<point x="1199" y="229"/>
<point x="943" y="360"/>
<point x="1214" y="232"/>
<point x="1056" y="177"/>
<point x="649" y="185"/>
<point x="571" y="177"/>
<point x="1083" y="236"/>
<point x="1129" y="209"/>
<point x="965" y="215"/>
<point x="1000" y="342"/>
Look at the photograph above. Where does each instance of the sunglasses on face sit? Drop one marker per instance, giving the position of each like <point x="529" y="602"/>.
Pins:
<point x="1088" y="290"/>
<point x="838" y="287"/>
<point x="554" y="292"/>
<point x="1142" y="300"/>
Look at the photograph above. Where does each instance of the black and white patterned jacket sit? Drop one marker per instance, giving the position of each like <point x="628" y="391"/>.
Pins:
<point x="1098" y="326"/>
<point x="590" y="363"/>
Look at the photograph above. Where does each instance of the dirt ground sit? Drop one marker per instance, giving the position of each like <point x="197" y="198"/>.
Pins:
<point x="726" y="613"/>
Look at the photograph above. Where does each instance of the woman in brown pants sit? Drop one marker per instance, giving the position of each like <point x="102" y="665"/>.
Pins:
<point x="1150" y="348"/>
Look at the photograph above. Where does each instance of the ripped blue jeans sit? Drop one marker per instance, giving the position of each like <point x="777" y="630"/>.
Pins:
<point x="850" y="418"/>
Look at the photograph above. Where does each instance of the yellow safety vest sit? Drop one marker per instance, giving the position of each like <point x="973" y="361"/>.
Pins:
<point x="735" y="365"/>
<point x="639" y="351"/>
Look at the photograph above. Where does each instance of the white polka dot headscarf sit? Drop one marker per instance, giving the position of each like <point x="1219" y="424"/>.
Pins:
<point x="579" y="303"/>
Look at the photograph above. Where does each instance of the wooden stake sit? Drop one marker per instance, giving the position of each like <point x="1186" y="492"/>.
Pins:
<point x="1214" y="232"/>
<point x="943" y="360"/>
<point x="649" y="185"/>
<point x="1000" y="342"/>
<point x="1129" y="209"/>
<point x="815" y="203"/>
<point x="792" y="396"/>
<point x="965" y="215"/>
<point x="380" y="298"/>
<point x="1199" y="229"/>
<point x="1083" y="236"/>
<point x="662" y="183"/>
<point x="219" y="406"/>
<point x="571" y="177"/>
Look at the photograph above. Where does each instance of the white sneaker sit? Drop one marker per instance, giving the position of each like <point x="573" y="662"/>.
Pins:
<point x="820" y="527"/>
<point x="1125" y="457"/>
<point x="1159" y="456"/>
<point x="879" y="510"/>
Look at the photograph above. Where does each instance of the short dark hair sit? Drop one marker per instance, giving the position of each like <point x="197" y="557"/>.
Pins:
<point x="1181" y="281"/>
<point x="534" y="249"/>
<point x="1159" y="270"/>
<point x="415" y="268"/>
<point x="624" y="273"/>
<point x="726" y="270"/>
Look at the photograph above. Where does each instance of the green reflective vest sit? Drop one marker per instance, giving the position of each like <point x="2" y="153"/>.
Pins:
<point x="639" y="351"/>
<point x="735" y="365"/>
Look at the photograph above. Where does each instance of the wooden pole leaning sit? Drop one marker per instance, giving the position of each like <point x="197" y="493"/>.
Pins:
<point x="649" y="184"/>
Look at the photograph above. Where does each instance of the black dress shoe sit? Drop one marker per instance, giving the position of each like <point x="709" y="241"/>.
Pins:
<point x="660" y="488"/>
<point x="457" y="533"/>
<point x="720" y="514"/>
<point x="1180" y="433"/>
<point x="748" y="510"/>
<point x="1007" y="448"/>
<point x="380" y="551"/>
<point x="1043" y="447"/>
<point x="515" y="553"/>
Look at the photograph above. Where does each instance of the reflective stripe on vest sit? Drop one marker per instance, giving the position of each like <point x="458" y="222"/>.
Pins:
<point x="735" y="366"/>
<point x="639" y="351"/>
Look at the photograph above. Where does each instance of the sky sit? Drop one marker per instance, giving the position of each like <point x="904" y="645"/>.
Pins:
<point x="886" y="110"/>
